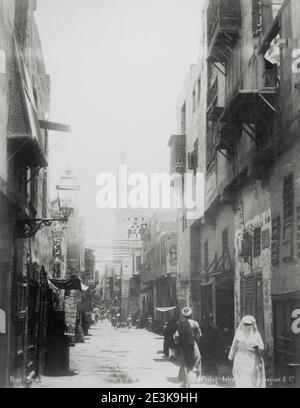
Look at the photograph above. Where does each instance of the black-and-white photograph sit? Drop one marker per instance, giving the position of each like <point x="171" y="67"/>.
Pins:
<point x="149" y="196"/>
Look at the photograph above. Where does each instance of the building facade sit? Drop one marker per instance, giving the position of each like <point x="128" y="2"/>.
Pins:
<point x="25" y="254"/>
<point x="238" y="114"/>
<point x="159" y="267"/>
<point x="127" y="254"/>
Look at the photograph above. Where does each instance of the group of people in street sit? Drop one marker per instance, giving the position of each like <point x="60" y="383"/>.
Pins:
<point x="196" y="347"/>
<point x="116" y="322"/>
<point x="183" y="338"/>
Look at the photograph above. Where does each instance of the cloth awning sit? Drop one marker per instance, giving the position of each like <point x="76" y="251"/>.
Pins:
<point x="71" y="283"/>
<point x="165" y="309"/>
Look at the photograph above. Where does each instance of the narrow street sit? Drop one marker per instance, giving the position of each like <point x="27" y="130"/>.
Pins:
<point x="118" y="358"/>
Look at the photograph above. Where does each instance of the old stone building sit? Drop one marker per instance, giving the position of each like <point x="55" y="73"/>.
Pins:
<point x="24" y="252"/>
<point x="127" y="254"/>
<point x="159" y="267"/>
<point x="239" y="110"/>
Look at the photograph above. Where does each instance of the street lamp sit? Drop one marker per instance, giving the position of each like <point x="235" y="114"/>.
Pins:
<point x="67" y="190"/>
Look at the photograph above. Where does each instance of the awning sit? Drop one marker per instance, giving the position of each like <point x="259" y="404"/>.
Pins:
<point x="247" y="106"/>
<point x="57" y="127"/>
<point x="165" y="309"/>
<point x="71" y="283"/>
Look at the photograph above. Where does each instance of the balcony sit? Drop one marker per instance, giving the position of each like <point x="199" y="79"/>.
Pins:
<point x="223" y="24"/>
<point x="25" y="138"/>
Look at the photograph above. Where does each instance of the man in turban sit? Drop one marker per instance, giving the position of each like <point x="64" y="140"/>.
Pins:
<point x="188" y="332"/>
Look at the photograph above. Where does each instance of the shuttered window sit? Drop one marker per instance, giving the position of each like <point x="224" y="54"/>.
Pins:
<point x="298" y="231"/>
<point x="252" y="299"/>
<point x="257" y="242"/>
<point x="224" y="240"/>
<point x="206" y="261"/>
<point x="288" y="217"/>
<point x="275" y="240"/>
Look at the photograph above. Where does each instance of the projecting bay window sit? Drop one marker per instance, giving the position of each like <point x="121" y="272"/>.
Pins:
<point x="223" y="24"/>
<point x="25" y="139"/>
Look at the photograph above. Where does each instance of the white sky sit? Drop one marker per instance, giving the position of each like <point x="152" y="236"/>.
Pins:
<point x="116" y="68"/>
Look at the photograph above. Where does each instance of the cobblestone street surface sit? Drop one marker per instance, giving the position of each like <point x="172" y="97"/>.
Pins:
<point x="119" y="358"/>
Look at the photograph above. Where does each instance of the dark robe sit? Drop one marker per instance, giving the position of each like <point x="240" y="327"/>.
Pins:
<point x="186" y="341"/>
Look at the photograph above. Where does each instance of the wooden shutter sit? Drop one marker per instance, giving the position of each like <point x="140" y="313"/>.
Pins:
<point x="224" y="240"/>
<point x="257" y="242"/>
<point x="252" y="299"/>
<point x="298" y="231"/>
<point x="288" y="217"/>
<point x="248" y="296"/>
<point x="206" y="261"/>
<point x="275" y="247"/>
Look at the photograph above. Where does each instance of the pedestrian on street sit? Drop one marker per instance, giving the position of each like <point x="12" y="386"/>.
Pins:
<point x="96" y="316"/>
<point x="187" y="335"/>
<point x="169" y="330"/>
<point x="138" y="322"/>
<point x="129" y="321"/>
<point x="149" y="323"/>
<point x="245" y="352"/>
<point x="113" y="321"/>
<point x="118" y="318"/>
